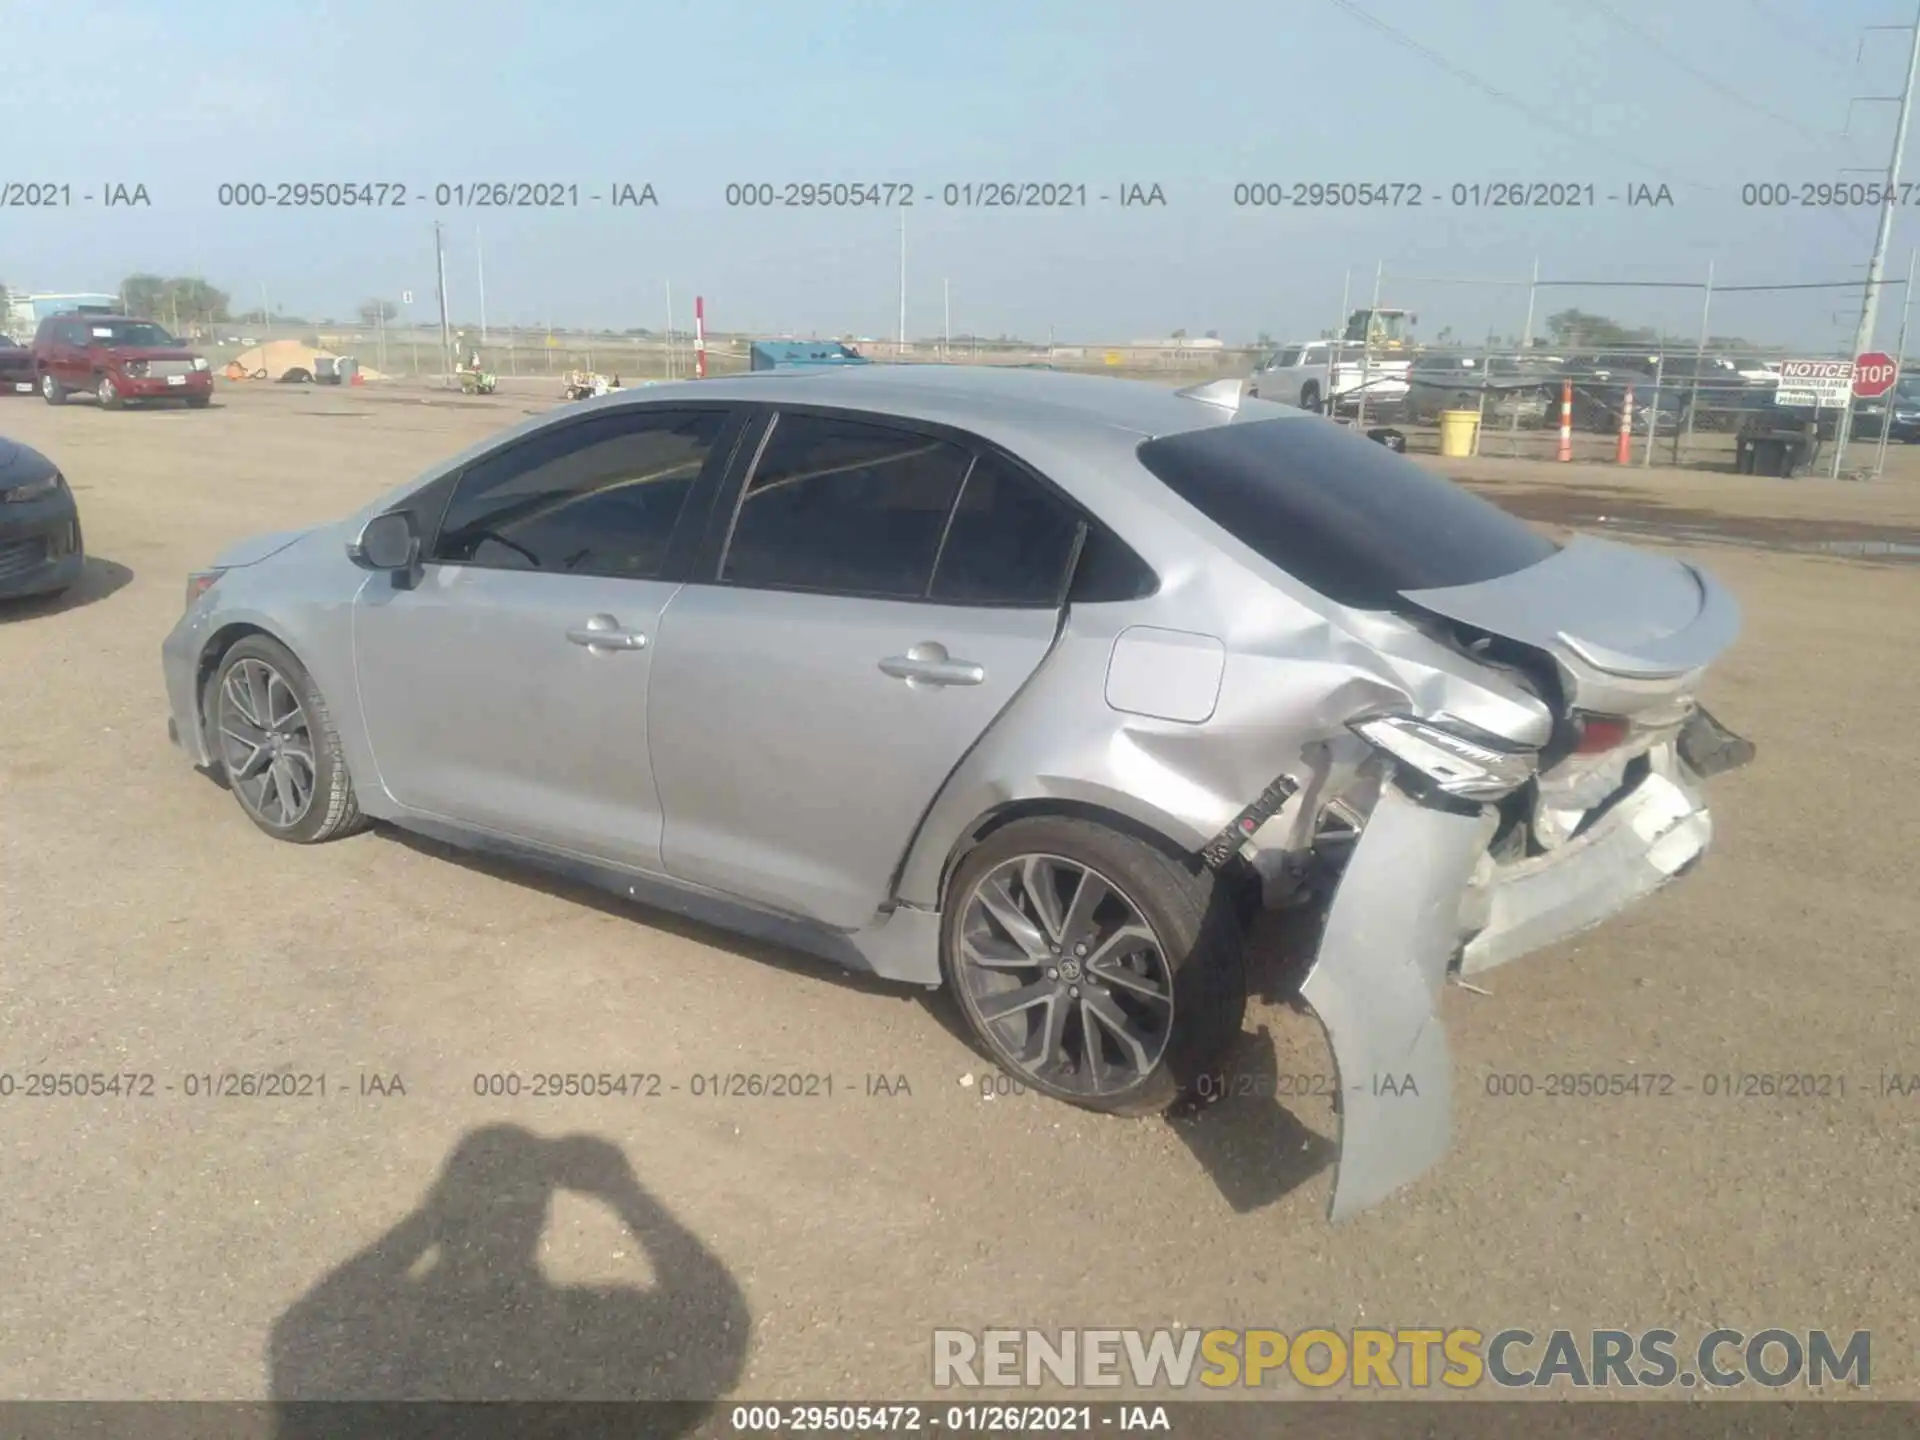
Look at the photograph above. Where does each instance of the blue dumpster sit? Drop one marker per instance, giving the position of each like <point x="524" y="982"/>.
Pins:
<point x="801" y="354"/>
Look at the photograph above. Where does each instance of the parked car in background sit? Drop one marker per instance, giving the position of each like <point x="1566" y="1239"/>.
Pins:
<point x="1898" y="411"/>
<point x="1504" y="389"/>
<point x="1904" y="405"/>
<point x="1604" y="365"/>
<point x="1598" y="401"/>
<point x="16" y="367"/>
<point x="41" y="552"/>
<point x="1320" y="375"/>
<point x="1034" y="685"/>
<point x="1756" y="371"/>
<point x="1717" y="394"/>
<point x="116" y="359"/>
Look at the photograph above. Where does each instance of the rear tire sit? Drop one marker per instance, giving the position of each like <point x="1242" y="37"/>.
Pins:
<point x="273" y="738"/>
<point x="51" y="390"/>
<point x="199" y="402"/>
<point x="1119" y="1003"/>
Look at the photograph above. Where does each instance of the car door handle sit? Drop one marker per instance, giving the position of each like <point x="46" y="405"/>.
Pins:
<point x="929" y="664"/>
<point x="603" y="632"/>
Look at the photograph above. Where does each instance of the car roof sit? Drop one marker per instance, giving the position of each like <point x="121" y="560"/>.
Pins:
<point x="1082" y="431"/>
<point x="1012" y="405"/>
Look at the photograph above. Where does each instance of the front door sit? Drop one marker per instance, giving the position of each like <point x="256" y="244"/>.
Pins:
<point x="882" y="595"/>
<point x="507" y="690"/>
<point x="70" y="362"/>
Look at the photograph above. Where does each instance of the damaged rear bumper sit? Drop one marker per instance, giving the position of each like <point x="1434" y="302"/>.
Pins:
<point x="1648" y="838"/>
<point x="1419" y="882"/>
<point x="1389" y="941"/>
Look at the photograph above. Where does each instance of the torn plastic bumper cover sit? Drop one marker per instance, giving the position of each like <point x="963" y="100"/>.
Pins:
<point x="1389" y="941"/>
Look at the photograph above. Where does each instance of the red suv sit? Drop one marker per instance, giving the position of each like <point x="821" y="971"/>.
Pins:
<point x="116" y="359"/>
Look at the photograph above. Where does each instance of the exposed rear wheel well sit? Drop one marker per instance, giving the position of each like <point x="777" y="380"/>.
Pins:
<point x="1238" y="875"/>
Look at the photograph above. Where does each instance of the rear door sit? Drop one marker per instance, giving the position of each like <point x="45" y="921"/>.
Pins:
<point x="874" y="596"/>
<point x="507" y="690"/>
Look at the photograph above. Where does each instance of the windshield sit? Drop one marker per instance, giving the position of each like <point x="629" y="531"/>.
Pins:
<point x="1351" y="519"/>
<point x="143" y="334"/>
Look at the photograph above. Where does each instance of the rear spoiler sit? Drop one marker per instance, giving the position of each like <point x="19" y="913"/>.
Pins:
<point x="1226" y="394"/>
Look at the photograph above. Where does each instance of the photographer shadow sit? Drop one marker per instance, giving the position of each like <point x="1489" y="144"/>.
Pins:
<point x="452" y="1305"/>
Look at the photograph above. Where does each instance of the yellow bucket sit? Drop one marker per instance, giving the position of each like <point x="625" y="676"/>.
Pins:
<point x="1457" y="429"/>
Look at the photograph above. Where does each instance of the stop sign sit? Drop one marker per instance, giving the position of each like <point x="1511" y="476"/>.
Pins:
<point x="1873" y="374"/>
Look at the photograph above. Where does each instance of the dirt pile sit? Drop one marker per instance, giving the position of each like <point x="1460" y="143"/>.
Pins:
<point x="277" y="357"/>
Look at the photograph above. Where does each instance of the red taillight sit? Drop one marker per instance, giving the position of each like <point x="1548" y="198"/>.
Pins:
<point x="1600" y="733"/>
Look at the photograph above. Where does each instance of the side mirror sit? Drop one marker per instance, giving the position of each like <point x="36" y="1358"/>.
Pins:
<point x="389" y="543"/>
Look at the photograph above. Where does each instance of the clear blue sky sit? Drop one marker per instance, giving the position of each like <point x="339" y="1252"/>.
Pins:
<point x="1194" y="98"/>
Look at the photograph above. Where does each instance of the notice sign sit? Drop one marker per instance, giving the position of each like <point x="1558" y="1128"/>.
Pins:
<point x="1825" y="383"/>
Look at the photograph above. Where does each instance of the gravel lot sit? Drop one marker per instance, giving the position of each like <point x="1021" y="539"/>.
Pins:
<point x="176" y="1246"/>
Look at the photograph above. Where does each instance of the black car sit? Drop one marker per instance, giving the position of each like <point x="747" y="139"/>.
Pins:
<point x="1898" y="409"/>
<point x="40" y="547"/>
<point x="16" y="367"/>
<point x="1599" y="398"/>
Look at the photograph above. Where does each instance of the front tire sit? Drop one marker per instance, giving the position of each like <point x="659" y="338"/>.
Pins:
<point x="272" y="735"/>
<point x="1310" y="396"/>
<point x="108" y="394"/>
<point x="1093" y="967"/>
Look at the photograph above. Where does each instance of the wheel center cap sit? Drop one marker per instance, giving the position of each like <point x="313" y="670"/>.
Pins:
<point x="1069" y="969"/>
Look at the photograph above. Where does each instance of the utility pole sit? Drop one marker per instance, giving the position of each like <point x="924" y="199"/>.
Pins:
<point x="446" y="334"/>
<point x="946" y="300"/>
<point x="1900" y="365"/>
<point x="480" y="265"/>
<point x="903" y="285"/>
<point x="1366" y="353"/>
<point x="1876" y="267"/>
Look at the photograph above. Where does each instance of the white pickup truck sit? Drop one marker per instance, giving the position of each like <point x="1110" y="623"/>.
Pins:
<point x="1318" y="371"/>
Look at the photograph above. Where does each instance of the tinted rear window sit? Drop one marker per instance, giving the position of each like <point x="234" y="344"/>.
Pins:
<point x="1340" y="513"/>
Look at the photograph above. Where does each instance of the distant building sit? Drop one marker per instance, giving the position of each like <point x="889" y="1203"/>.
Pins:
<point x="25" y="312"/>
<point x="1187" y="342"/>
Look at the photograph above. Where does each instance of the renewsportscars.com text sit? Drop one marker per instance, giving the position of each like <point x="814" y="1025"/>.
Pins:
<point x="1405" y="1358"/>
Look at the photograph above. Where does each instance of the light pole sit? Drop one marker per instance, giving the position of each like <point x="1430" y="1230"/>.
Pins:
<point x="480" y="267"/>
<point x="1899" y="363"/>
<point x="446" y="335"/>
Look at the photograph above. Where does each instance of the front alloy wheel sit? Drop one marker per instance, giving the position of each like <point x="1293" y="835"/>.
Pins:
<point x="266" y="744"/>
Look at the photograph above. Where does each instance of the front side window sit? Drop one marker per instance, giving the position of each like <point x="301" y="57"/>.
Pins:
<point x="597" y="497"/>
<point x="844" y="507"/>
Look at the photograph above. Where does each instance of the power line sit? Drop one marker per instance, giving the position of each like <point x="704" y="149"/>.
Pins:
<point x="1798" y="28"/>
<point x="1680" y="62"/>
<point x="1539" y="117"/>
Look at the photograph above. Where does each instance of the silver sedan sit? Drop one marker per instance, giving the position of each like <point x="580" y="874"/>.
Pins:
<point x="1032" y="685"/>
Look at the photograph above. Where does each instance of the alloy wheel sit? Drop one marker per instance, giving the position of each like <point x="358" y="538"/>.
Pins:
<point x="266" y="743"/>
<point x="1063" y="970"/>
